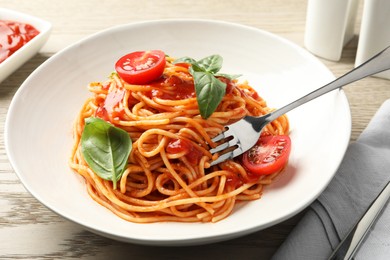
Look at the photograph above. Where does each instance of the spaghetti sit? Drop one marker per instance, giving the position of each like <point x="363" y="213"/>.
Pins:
<point x="168" y="175"/>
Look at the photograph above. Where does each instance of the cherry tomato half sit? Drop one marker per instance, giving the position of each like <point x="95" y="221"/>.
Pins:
<point x="269" y="155"/>
<point x="141" y="67"/>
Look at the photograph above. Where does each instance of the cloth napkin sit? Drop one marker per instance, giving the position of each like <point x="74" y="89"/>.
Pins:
<point x="363" y="173"/>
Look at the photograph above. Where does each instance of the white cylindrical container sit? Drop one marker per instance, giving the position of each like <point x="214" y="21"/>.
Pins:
<point x="374" y="32"/>
<point x="329" y="26"/>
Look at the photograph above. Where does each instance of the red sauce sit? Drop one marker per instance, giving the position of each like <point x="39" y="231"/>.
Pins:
<point x="230" y="85"/>
<point x="13" y="35"/>
<point x="101" y="112"/>
<point x="106" y="85"/>
<point x="107" y="108"/>
<point x="234" y="181"/>
<point x="183" y="64"/>
<point x="192" y="154"/>
<point x="252" y="177"/>
<point x="178" y="88"/>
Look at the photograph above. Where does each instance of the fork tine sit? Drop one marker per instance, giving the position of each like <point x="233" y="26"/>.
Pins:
<point x="227" y="133"/>
<point x="228" y="138"/>
<point x="236" y="139"/>
<point x="223" y="135"/>
<point x="230" y="143"/>
<point x="220" y="148"/>
<point x="218" y="137"/>
<point x="222" y="158"/>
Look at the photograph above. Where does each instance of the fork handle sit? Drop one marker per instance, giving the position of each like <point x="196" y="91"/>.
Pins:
<point x="380" y="62"/>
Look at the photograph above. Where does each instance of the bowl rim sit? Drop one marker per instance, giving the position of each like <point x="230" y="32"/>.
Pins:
<point x="192" y="241"/>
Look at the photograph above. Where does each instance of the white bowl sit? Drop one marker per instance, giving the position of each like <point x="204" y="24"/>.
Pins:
<point x="47" y="103"/>
<point x="29" y="49"/>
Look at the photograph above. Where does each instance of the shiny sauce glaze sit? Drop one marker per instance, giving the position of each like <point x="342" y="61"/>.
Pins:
<point x="106" y="110"/>
<point x="192" y="154"/>
<point x="173" y="88"/>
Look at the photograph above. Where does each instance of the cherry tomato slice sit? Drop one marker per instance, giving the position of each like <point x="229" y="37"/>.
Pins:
<point x="269" y="155"/>
<point x="141" y="67"/>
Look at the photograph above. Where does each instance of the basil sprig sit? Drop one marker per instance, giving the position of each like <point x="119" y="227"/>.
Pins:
<point x="105" y="148"/>
<point x="209" y="89"/>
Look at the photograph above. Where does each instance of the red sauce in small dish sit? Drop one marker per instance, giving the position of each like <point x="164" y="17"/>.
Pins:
<point x="13" y="35"/>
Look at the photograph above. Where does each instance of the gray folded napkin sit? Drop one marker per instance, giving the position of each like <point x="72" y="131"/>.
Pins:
<point x="363" y="173"/>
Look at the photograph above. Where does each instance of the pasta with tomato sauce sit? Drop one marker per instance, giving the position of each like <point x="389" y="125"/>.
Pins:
<point x="167" y="175"/>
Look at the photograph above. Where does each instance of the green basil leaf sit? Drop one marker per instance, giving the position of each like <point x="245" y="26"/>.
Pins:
<point x="209" y="92"/>
<point x="196" y="68"/>
<point x="211" y="63"/>
<point x="105" y="148"/>
<point x="184" y="60"/>
<point x="194" y="65"/>
<point x="209" y="89"/>
<point x="228" y="76"/>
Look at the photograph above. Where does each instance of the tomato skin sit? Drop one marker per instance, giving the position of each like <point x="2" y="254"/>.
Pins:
<point x="269" y="155"/>
<point x="141" y="67"/>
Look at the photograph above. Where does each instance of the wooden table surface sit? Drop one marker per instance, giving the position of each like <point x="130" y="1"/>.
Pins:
<point x="28" y="230"/>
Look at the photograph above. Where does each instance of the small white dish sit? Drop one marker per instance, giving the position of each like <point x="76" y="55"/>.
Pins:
<point x="47" y="103"/>
<point x="27" y="51"/>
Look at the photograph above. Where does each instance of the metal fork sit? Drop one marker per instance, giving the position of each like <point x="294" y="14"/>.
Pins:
<point x="243" y="134"/>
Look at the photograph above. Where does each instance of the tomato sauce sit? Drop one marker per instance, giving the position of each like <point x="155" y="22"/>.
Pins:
<point x="13" y="35"/>
<point x="106" y="108"/>
<point x="192" y="154"/>
<point x="230" y="85"/>
<point x="251" y="177"/>
<point x="234" y="181"/>
<point x="178" y="88"/>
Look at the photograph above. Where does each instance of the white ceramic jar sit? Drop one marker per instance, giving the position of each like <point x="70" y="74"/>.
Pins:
<point x="329" y="26"/>
<point x="374" y="32"/>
